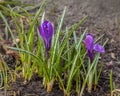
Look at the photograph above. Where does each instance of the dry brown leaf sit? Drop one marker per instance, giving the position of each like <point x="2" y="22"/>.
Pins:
<point x="1" y="1"/>
<point x="113" y="55"/>
<point x="109" y="64"/>
<point x="5" y="51"/>
<point x="113" y="41"/>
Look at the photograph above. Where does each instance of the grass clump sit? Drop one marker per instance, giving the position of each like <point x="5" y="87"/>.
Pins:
<point x="54" y="58"/>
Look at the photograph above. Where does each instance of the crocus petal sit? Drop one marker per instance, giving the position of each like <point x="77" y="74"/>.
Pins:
<point x="51" y="30"/>
<point x="89" y="41"/>
<point x="47" y="44"/>
<point x="46" y="32"/>
<point x="42" y="31"/>
<point x="99" y="48"/>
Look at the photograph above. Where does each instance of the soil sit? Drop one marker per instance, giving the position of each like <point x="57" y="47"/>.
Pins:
<point x="103" y="18"/>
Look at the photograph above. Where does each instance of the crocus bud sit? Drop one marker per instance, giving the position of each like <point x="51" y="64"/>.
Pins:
<point x="46" y="32"/>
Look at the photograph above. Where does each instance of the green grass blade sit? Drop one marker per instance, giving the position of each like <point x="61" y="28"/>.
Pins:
<point x="56" y="40"/>
<point x="111" y="81"/>
<point x="36" y="17"/>
<point x="74" y="63"/>
<point x="6" y="23"/>
<point x="21" y="50"/>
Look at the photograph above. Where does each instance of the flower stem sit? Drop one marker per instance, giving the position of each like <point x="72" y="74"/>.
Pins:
<point x="47" y="54"/>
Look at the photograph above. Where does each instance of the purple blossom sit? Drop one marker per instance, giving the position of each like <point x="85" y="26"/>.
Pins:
<point x="46" y="31"/>
<point x="89" y="41"/>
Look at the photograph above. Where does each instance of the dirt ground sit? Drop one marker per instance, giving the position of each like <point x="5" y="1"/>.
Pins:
<point x="103" y="18"/>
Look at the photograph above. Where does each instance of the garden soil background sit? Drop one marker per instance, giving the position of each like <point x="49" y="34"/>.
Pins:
<point x="103" y="18"/>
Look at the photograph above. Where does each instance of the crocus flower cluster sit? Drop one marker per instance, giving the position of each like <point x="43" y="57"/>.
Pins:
<point x="91" y="46"/>
<point x="46" y="31"/>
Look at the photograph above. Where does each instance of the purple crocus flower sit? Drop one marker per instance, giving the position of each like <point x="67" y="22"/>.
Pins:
<point x="89" y="41"/>
<point x="46" y="31"/>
